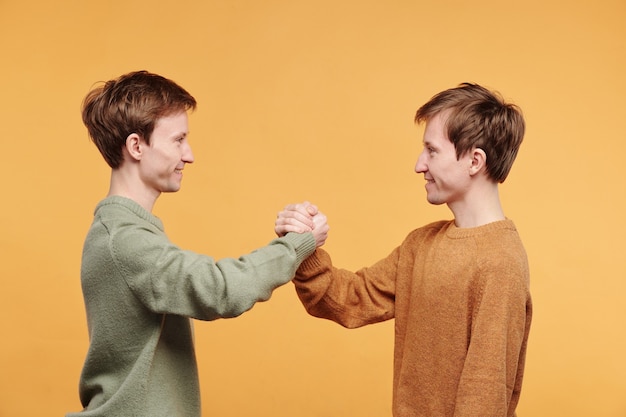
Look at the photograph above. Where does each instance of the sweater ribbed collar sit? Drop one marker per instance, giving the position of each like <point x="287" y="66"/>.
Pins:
<point x="455" y="232"/>
<point x="132" y="206"/>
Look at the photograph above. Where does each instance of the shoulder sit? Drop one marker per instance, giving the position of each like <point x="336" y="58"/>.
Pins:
<point x="419" y="241"/>
<point x="502" y="257"/>
<point x="499" y="242"/>
<point x="131" y="232"/>
<point x="430" y="229"/>
<point x="123" y="220"/>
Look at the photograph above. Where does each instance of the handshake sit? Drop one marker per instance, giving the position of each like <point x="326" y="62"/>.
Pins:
<point x="302" y="218"/>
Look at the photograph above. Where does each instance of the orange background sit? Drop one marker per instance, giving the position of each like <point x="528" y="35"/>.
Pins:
<point x="314" y="100"/>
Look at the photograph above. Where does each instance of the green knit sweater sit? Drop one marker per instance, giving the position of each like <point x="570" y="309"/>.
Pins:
<point x="140" y="291"/>
<point x="462" y="308"/>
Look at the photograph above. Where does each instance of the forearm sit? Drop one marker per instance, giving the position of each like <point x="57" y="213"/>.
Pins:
<point x="352" y="299"/>
<point x="171" y="281"/>
<point x="253" y="277"/>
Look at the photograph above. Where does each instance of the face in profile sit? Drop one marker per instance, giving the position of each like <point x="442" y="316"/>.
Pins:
<point x="164" y="159"/>
<point x="447" y="179"/>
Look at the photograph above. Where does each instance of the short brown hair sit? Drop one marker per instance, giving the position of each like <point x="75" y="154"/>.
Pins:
<point x="479" y="118"/>
<point x="130" y="104"/>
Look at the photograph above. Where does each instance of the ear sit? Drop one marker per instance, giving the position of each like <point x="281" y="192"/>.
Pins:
<point x="478" y="161"/>
<point x="134" y="146"/>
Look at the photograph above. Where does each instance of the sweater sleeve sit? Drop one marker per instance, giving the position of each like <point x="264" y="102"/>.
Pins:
<point x="167" y="279"/>
<point x="491" y="379"/>
<point x="352" y="299"/>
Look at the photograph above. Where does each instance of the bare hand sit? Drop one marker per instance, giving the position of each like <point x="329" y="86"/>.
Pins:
<point x="320" y="231"/>
<point x="296" y="218"/>
<point x="302" y="218"/>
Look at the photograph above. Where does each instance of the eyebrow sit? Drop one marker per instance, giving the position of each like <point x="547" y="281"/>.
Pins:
<point x="179" y="134"/>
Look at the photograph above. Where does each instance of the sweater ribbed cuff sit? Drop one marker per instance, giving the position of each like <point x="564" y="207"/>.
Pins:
<point x="304" y="244"/>
<point x="313" y="262"/>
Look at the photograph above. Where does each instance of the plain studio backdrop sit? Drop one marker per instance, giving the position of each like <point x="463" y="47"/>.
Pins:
<point x="315" y="100"/>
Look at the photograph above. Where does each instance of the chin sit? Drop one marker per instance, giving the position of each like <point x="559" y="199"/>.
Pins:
<point x="171" y="189"/>
<point x="437" y="203"/>
<point x="434" y="201"/>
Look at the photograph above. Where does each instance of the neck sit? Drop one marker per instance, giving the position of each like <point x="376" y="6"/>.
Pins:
<point x="478" y="208"/>
<point x="125" y="185"/>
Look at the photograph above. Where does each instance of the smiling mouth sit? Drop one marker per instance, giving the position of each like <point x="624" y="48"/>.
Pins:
<point x="178" y="171"/>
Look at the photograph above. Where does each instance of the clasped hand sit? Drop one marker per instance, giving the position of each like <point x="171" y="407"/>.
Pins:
<point x="302" y="218"/>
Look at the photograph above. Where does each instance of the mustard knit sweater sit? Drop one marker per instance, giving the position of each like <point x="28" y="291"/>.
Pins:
<point x="462" y="308"/>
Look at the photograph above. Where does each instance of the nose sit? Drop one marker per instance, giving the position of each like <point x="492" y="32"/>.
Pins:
<point x="187" y="154"/>
<point x="420" y="165"/>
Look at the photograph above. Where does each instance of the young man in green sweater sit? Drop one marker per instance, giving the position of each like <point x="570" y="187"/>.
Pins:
<point x="458" y="290"/>
<point x="140" y="289"/>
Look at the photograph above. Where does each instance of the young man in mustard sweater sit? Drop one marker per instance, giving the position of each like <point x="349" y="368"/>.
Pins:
<point x="140" y="289"/>
<point x="458" y="290"/>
